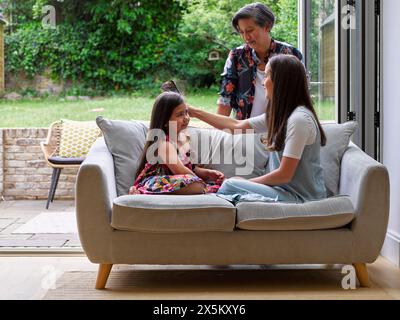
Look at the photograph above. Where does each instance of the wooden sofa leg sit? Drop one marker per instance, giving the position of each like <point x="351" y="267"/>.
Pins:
<point x="362" y="274"/>
<point x="102" y="275"/>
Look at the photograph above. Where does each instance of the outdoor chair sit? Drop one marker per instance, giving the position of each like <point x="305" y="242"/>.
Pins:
<point x="66" y="146"/>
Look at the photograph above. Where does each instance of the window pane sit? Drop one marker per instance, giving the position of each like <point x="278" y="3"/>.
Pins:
<point x="322" y="63"/>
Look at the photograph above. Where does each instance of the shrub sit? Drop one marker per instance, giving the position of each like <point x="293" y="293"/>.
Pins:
<point x="103" y="45"/>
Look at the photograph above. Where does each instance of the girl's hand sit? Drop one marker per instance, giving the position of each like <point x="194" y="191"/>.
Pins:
<point x="133" y="190"/>
<point x="213" y="175"/>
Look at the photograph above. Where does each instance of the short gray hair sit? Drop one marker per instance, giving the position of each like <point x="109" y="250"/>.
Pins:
<point x="260" y="13"/>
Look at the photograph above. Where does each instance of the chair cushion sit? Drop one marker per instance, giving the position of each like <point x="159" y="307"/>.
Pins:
<point x="77" y="137"/>
<point x="172" y="213"/>
<point x="328" y="213"/>
<point x="60" y="160"/>
<point x="337" y="140"/>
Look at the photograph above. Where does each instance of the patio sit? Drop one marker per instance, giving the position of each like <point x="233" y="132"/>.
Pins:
<point x="18" y="230"/>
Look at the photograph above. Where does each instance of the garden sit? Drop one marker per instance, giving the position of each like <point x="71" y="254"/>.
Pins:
<point x="77" y="59"/>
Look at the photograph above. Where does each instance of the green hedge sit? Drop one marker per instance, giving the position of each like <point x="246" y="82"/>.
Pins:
<point x="120" y="45"/>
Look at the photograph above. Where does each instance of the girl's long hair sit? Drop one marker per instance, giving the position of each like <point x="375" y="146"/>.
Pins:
<point x="290" y="90"/>
<point x="163" y="108"/>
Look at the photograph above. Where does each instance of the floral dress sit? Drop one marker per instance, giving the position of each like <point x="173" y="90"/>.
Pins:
<point x="158" y="178"/>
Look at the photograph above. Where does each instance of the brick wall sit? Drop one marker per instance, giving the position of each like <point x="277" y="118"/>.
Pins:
<point x="41" y="83"/>
<point x="1" y="162"/>
<point x="24" y="174"/>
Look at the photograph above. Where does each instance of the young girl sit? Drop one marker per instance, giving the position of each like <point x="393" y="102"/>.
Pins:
<point x="173" y="173"/>
<point x="294" y="137"/>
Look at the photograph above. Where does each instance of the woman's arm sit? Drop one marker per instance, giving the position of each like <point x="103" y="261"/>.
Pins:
<point x="219" y="121"/>
<point x="224" y="110"/>
<point x="168" y="154"/>
<point x="283" y="175"/>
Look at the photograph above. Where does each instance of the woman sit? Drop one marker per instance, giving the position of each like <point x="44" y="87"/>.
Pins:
<point x="294" y="137"/>
<point x="243" y="75"/>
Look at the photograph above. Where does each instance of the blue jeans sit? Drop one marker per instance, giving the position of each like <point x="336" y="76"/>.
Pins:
<point x="241" y="186"/>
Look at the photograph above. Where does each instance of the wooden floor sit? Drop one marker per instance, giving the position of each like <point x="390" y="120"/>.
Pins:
<point x="73" y="276"/>
<point x="32" y="277"/>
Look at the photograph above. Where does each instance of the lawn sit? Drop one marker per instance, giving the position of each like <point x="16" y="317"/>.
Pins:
<point x="41" y="113"/>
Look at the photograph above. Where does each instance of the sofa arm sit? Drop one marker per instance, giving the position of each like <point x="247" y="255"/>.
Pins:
<point x="95" y="192"/>
<point x="366" y="181"/>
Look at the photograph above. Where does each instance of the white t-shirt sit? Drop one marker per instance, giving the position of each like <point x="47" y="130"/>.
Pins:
<point x="260" y="101"/>
<point x="301" y="131"/>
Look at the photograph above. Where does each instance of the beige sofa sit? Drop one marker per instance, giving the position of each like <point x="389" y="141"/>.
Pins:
<point x="115" y="228"/>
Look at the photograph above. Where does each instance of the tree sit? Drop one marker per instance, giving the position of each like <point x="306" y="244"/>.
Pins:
<point x="287" y="22"/>
<point x="206" y="26"/>
<point x="100" y="43"/>
<point x="127" y="44"/>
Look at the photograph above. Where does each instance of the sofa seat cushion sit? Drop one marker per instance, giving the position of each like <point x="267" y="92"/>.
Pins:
<point x="328" y="213"/>
<point x="173" y="213"/>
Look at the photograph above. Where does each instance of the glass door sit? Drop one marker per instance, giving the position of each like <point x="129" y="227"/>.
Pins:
<point x="341" y="42"/>
<point x="318" y="38"/>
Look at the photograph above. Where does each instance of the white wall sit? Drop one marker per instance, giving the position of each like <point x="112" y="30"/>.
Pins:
<point x="391" y="122"/>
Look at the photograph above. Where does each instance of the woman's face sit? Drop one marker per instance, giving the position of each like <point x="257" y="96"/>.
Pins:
<point x="254" y="35"/>
<point x="268" y="85"/>
<point x="180" y="117"/>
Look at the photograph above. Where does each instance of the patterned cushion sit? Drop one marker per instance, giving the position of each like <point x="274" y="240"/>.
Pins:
<point x="77" y="137"/>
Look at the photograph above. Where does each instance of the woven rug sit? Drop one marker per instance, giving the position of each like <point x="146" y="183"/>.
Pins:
<point x="127" y="282"/>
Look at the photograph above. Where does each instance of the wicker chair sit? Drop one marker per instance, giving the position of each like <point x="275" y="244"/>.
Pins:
<point x="51" y="148"/>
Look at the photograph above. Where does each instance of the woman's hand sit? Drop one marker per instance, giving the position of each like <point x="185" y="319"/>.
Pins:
<point x="218" y="121"/>
<point x="192" y="111"/>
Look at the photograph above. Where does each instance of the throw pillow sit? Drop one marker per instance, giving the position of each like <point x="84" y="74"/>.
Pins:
<point x="337" y="140"/>
<point x="77" y="137"/>
<point x="235" y="155"/>
<point x="125" y="140"/>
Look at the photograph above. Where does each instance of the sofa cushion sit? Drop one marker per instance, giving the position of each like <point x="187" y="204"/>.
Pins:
<point x="235" y="155"/>
<point x="337" y="140"/>
<point x="125" y="141"/>
<point x="172" y="213"/>
<point x="328" y="213"/>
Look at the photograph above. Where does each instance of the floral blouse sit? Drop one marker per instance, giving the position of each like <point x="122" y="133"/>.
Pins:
<point x="239" y="76"/>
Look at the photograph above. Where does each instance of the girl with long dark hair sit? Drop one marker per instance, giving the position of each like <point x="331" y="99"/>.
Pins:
<point x="170" y="170"/>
